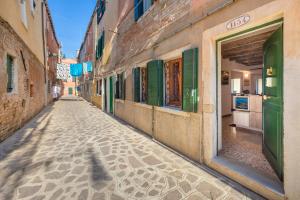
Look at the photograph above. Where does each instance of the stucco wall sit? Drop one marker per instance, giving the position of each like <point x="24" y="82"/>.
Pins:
<point x="179" y="130"/>
<point x="176" y="129"/>
<point x="136" y="114"/>
<point x="10" y="11"/>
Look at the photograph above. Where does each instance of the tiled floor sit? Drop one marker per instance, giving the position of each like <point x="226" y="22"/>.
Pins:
<point x="244" y="147"/>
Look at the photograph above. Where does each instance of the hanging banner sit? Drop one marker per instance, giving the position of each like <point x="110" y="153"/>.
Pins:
<point x="76" y="69"/>
<point x="89" y="66"/>
<point x="63" y="71"/>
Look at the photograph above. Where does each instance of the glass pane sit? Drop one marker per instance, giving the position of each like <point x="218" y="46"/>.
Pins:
<point x="235" y="86"/>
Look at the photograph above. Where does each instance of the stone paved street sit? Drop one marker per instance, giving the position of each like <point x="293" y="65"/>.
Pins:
<point x="72" y="150"/>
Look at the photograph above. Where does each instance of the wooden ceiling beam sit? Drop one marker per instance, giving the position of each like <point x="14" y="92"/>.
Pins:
<point x="261" y="38"/>
<point x="248" y="54"/>
<point x="250" y="50"/>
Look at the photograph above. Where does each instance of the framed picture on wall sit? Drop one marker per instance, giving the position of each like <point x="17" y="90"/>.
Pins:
<point x="225" y="77"/>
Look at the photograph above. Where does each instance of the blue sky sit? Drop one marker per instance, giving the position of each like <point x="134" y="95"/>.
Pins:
<point x="71" y="18"/>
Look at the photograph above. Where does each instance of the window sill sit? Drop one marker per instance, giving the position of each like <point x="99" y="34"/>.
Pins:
<point x="120" y="101"/>
<point x="142" y="104"/>
<point x="173" y="111"/>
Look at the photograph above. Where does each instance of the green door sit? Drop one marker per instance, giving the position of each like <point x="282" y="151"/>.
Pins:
<point x="273" y="101"/>
<point x="111" y="95"/>
<point x="70" y="91"/>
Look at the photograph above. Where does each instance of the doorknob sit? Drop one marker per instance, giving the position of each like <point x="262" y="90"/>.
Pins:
<point x="265" y="97"/>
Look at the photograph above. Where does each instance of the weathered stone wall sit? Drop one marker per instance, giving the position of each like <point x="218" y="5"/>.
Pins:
<point x="18" y="106"/>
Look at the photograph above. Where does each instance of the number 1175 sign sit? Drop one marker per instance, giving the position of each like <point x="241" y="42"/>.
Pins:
<point x="237" y="22"/>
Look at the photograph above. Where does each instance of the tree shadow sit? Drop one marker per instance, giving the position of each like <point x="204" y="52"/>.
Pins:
<point x="99" y="175"/>
<point x="22" y="164"/>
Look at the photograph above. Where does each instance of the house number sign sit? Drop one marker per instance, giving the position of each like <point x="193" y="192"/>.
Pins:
<point x="237" y="22"/>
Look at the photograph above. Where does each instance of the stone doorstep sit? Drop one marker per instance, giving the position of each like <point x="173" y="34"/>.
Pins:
<point x="245" y="177"/>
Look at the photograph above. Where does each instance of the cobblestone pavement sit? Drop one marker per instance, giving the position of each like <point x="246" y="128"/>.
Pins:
<point x="72" y="150"/>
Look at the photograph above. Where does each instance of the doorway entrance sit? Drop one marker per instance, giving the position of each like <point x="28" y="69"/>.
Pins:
<point x="251" y="98"/>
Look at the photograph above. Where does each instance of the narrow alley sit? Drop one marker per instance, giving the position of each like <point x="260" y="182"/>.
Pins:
<point x="72" y="150"/>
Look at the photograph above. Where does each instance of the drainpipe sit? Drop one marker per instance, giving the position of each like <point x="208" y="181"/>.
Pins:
<point x="44" y="53"/>
<point x="153" y="123"/>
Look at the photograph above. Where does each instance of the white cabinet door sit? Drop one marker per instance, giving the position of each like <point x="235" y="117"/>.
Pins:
<point x="241" y="118"/>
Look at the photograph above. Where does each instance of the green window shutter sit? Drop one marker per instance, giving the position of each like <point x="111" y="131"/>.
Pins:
<point x="9" y="69"/>
<point x="97" y="51"/>
<point x="190" y="80"/>
<point x="137" y="83"/>
<point x="100" y="46"/>
<point x="155" y="83"/>
<point x="102" y="43"/>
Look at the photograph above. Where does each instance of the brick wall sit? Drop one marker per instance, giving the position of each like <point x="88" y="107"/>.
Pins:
<point x="135" y="37"/>
<point x="53" y="48"/>
<point x="18" y="107"/>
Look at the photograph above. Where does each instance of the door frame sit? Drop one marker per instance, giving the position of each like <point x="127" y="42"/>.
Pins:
<point x="219" y="68"/>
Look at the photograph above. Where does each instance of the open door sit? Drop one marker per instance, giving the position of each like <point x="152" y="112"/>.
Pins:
<point x="105" y="95"/>
<point x="111" y="95"/>
<point x="273" y="101"/>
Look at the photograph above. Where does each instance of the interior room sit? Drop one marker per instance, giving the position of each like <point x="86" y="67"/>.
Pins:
<point x="242" y="101"/>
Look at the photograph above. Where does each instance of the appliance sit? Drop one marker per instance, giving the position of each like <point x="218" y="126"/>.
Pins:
<point x="241" y="103"/>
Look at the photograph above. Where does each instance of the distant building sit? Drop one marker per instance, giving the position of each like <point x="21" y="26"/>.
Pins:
<point x="69" y="84"/>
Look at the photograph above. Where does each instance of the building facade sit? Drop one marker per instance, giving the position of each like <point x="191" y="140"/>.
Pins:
<point x="213" y="80"/>
<point x="87" y="54"/>
<point x="52" y="54"/>
<point x="69" y="85"/>
<point x="23" y="72"/>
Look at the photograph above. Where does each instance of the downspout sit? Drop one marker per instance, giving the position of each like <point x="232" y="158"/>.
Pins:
<point x="44" y="53"/>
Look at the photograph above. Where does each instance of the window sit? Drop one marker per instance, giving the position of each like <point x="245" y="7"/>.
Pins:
<point x="259" y="86"/>
<point x="23" y="12"/>
<point x="140" y="7"/>
<point x="100" y="46"/>
<point x="10" y="73"/>
<point x="32" y="6"/>
<point x="49" y="86"/>
<point x="120" y="86"/>
<point x="99" y="87"/>
<point x="140" y="84"/>
<point x="181" y="82"/>
<point x="100" y="10"/>
<point x="236" y="86"/>
<point x="31" y="91"/>
<point x="173" y="83"/>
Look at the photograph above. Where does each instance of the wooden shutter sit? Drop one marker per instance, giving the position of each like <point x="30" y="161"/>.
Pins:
<point x="190" y="80"/>
<point x="155" y="83"/>
<point x="137" y="84"/>
<point x="138" y="9"/>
